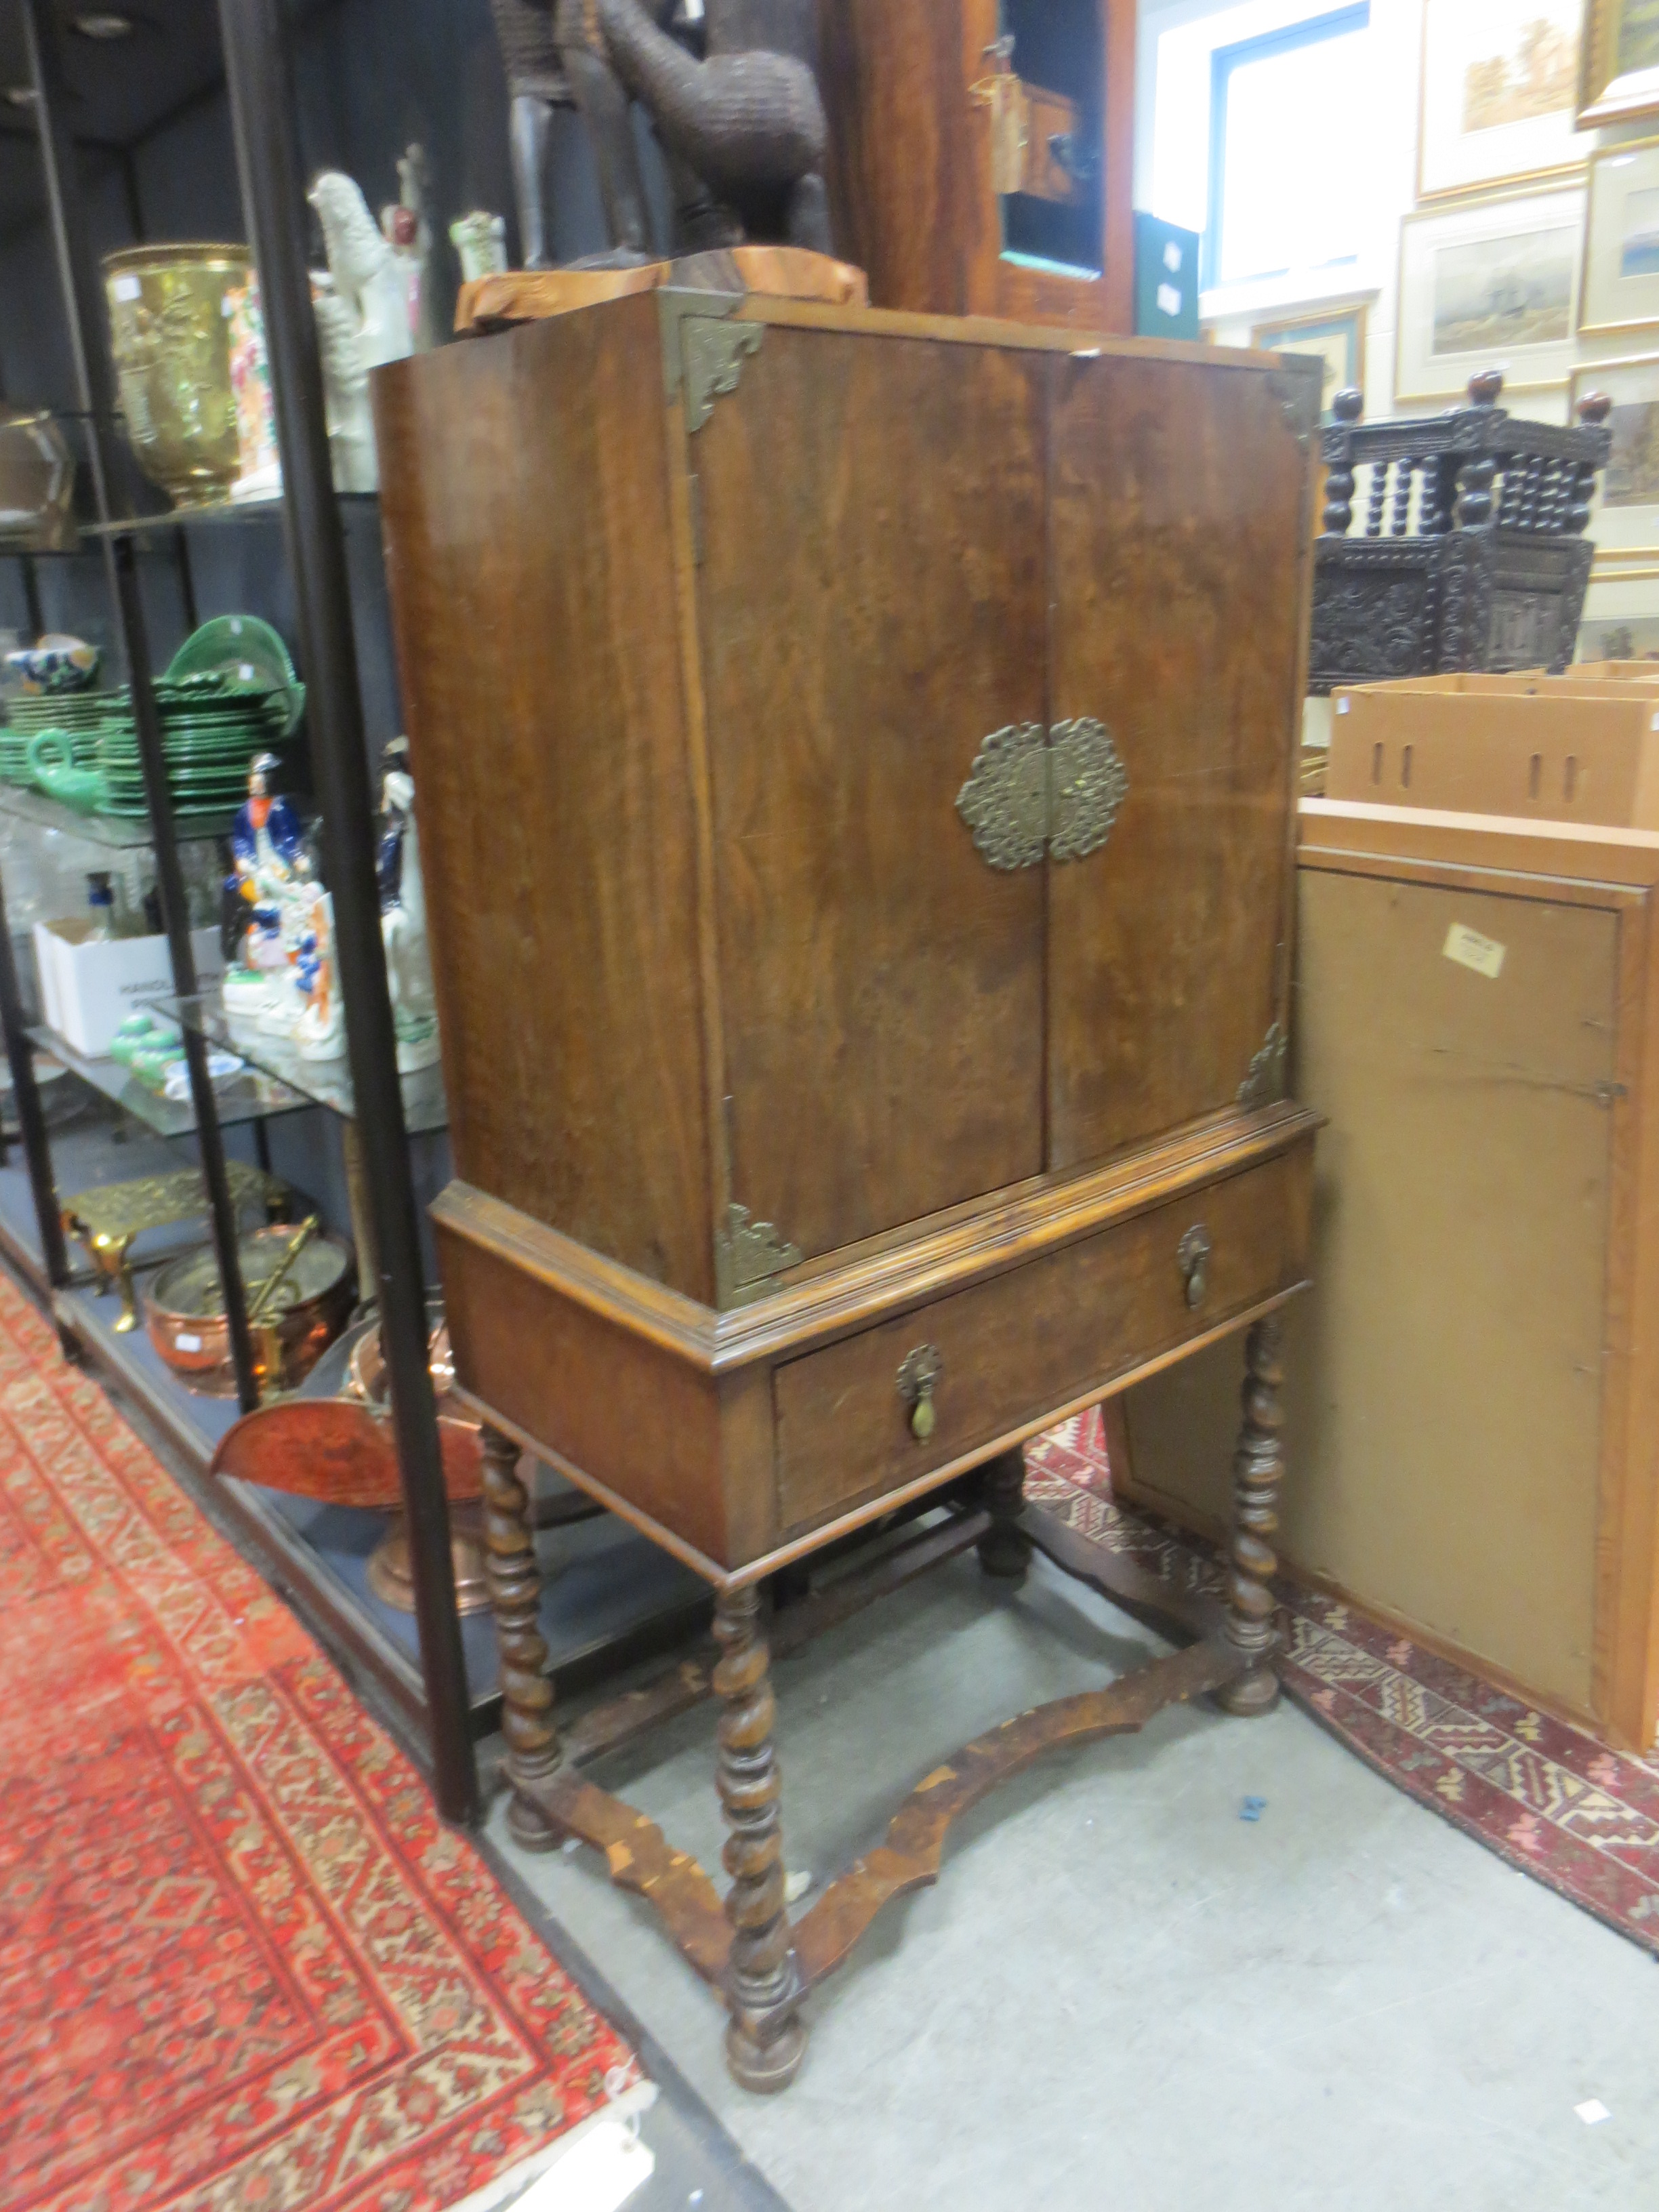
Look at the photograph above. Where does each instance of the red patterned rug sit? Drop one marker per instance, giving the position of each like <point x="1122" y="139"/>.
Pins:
<point x="1545" y="1795"/>
<point x="242" y="1963"/>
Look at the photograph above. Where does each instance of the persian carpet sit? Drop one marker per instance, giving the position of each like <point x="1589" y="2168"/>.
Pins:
<point x="242" y="1963"/>
<point x="1545" y="1795"/>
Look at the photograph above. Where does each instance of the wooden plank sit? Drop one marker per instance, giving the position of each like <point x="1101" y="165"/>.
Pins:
<point x="605" y="1728"/>
<point x="882" y="985"/>
<point x="1030" y="1339"/>
<point x="909" y="1854"/>
<point x="588" y="1392"/>
<point x="892" y="86"/>
<point x="1593" y="851"/>
<point x="640" y="1857"/>
<point x="530" y="559"/>
<point x="1447" y="1380"/>
<point x="1627" y="1582"/>
<point x="932" y="1258"/>
<point x="1119" y="1580"/>
<point x="1176" y="512"/>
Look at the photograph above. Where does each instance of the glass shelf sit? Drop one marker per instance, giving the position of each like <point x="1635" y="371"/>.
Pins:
<point x="50" y="552"/>
<point x="116" y="831"/>
<point x="251" y="1096"/>
<point x="227" y="511"/>
<point x="323" y="1082"/>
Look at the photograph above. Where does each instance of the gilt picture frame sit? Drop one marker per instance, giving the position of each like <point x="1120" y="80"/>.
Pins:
<point x="1625" y="514"/>
<point x="1618" y="63"/>
<point x="1498" y="92"/>
<point x="1336" y="335"/>
<point x="1619" y="639"/>
<point x="1489" y="284"/>
<point x="1620" y="289"/>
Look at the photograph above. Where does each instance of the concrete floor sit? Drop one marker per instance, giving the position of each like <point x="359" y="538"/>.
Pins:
<point x="1120" y="1993"/>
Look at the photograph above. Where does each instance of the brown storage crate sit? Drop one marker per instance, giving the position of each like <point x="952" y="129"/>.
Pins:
<point x="1550" y="748"/>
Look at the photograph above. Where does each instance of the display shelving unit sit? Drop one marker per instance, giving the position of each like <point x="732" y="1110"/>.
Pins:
<point x="612" y="1598"/>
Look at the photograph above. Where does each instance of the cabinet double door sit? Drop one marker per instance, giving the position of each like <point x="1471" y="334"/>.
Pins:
<point x="999" y="653"/>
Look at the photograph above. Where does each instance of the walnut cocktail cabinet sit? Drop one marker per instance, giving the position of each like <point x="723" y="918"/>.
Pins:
<point x="855" y="754"/>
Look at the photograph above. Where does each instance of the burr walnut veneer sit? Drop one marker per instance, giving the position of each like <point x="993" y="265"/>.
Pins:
<point x="856" y="762"/>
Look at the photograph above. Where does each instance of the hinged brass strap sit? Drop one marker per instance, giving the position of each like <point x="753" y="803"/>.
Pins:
<point x="1034" y="792"/>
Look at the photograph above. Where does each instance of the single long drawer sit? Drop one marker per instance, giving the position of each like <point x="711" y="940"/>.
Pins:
<point x="1035" y="1338"/>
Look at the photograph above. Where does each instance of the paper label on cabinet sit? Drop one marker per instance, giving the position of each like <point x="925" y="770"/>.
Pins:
<point x="1168" y="299"/>
<point x="1470" y="949"/>
<point x="186" y="1343"/>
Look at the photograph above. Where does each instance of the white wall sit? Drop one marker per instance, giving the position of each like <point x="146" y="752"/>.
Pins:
<point x="1172" y="159"/>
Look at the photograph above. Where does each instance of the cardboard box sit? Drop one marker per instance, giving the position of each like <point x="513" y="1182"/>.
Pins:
<point x="87" y="990"/>
<point x="1551" y="748"/>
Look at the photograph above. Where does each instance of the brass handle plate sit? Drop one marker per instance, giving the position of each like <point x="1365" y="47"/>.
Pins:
<point x="918" y="1377"/>
<point x="1036" y="793"/>
<point x="1193" y="1258"/>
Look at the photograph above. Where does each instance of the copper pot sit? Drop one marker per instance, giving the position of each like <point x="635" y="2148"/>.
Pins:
<point x="184" y="1310"/>
<point x="366" y="1376"/>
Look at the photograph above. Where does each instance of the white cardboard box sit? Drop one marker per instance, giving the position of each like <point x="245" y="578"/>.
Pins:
<point x="86" y="991"/>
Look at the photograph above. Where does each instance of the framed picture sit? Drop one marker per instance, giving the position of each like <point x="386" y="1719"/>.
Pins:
<point x="1620" y="289"/>
<point x="1618" y="62"/>
<point x="1624" y="518"/>
<point x="1489" y="283"/>
<point x="1500" y="86"/>
<point x="1634" y="638"/>
<point x="1337" y="335"/>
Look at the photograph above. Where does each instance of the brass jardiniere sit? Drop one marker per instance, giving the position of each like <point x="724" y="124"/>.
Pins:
<point x="169" y="311"/>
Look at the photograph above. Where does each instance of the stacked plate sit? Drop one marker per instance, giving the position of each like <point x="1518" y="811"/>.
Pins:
<point x="210" y="730"/>
<point x="79" y="715"/>
<point x="229" y="693"/>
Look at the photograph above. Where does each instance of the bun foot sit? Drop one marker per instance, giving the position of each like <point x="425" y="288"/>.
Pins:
<point x="529" y="1827"/>
<point x="1251" y="1695"/>
<point x="765" y="2067"/>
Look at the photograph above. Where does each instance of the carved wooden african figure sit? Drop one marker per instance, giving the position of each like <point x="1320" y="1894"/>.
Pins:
<point x="748" y="120"/>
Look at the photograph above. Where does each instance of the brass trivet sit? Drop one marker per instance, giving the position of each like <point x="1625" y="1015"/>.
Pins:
<point x="107" y="1219"/>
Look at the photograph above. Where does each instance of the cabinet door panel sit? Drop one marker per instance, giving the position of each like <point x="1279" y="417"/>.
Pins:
<point x="1178" y="504"/>
<point x="872" y="604"/>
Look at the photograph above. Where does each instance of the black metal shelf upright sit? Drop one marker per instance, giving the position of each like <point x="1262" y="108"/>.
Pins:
<point x="259" y="75"/>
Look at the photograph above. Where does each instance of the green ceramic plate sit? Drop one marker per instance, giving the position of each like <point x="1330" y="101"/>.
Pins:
<point x="239" y="743"/>
<point x="32" y="714"/>
<point x="246" y="651"/>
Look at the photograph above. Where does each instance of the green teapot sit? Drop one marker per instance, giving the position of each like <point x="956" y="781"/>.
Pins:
<point x="51" y="764"/>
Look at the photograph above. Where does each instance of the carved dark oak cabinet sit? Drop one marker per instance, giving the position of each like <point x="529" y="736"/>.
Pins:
<point x="1469" y="552"/>
<point x="855" y="758"/>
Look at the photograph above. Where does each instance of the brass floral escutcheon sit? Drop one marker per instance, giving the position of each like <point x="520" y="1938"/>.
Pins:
<point x="1035" y="793"/>
<point x="1087" y="784"/>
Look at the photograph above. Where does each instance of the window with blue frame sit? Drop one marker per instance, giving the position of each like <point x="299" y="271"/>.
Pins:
<point x="1287" y="179"/>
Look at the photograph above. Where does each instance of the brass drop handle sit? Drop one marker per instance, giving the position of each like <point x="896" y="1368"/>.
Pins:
<point x="1193" y="1258"/>
<point x="918" y="1376"/>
